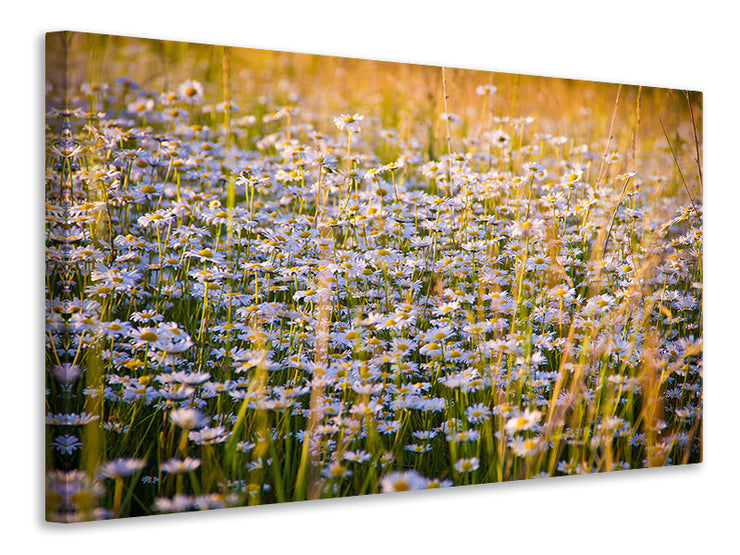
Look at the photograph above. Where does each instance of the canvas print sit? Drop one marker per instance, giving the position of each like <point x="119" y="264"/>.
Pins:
<point x="276" y="277"/>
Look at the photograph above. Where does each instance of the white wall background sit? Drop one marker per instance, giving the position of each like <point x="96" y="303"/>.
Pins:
<point x="675" y="44"/>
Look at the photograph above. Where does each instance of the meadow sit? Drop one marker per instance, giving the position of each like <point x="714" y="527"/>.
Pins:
<point x="277" y="277"/>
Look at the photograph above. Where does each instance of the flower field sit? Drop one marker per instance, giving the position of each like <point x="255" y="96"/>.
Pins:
<point x="270" y="285"/>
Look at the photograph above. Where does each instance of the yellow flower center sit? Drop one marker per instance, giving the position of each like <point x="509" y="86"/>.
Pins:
<point x="400" y="485"/>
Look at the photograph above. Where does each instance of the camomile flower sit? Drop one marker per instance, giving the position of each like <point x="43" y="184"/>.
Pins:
<point x="437" y="483"/>
<point x="402" y="345"/>
<point x="144" y="316"/>
<point x="526" y="447"/>
<point x="477" y="328"/>
<point x="477" y="413"/>
<point x="526" y="229"/>
<point x="321" y="159"/>
<point x="446" y="309"/>
<point x="361" y="410"/>
<point x="336" y="470"/>
<point x="115" y="328"/>
<point x="529" y="149"/>
<point x="424" y="435"/>
<point x="190" y="91"/>
<point x="485" y="90"/>
<point x="436" y="404"/>
<point x="127" y="83"/>
<point x="177" y="466"/>
<point x="358" y="456"/>
<point x="612" y="157"/>
<point x="383" y="189"/>
<point x="464" y="435"/>
<point x="498" y="138"/>
<point x="403" y="481"/>
<point x="432" y="170"/>
<point x="573" y="176"/>
<point x="527" y="420"/>
<point x="418" y="448"/>
<point x="66" y="443"/>
<point x="223" y="107"/>
<point x="121" y="468"/>
<point x="521" y="121"/>
<point x="598" y="305"/>
<point x="467" y="465"/>
<point x="245" y="446"/>
<point x="177" y="504"/>
<point x="433" y="349"/>
<point x="562" y="292"/>
<point x="138" y="389"/>
<point x="537" y="263"/>
<point x="143" y="336"/>
<point x="141" y="106"/>
<point x="532" y="167"/>
<point x="188" y="418"/>
<point x="209" y="436"/>
<point x="391" y="427"/>
<point x="185" y="377"/>
<point x="84" y="322"/>
<point x="214" y="501"/>
<point x="348" y="122"/>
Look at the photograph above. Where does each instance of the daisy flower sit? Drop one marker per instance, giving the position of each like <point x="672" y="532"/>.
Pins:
<point x="190" y="91"/>
<point x="188" y="418"/>
<point x="66" y="444"/>
<point x="403" y="481"/>
<point x="526" y="447"/>
<point x="336" y="470"/>
<point x="485" y="90"/>
<point x="120" y="468"/>
<point x="348" y="122"/>
<point x="357" y="456"/>
<point x="467" y="465"/>
<point x="528" y="420"/>
<point x="177" y="466"/>
<point x="477" y="413"/>
<point x="209" y="436"/>
<point x="176" y="504"/>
